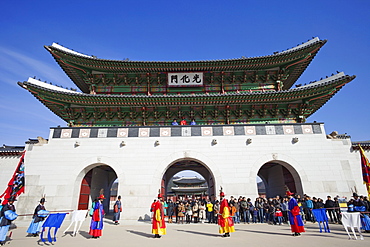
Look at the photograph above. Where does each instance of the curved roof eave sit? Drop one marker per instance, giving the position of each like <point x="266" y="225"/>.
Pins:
<point x="71" y="52"/>
<point x="46" y="87"/>
<point x="88" y="64"/>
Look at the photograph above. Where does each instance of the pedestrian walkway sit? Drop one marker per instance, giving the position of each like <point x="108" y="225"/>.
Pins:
<point x="134" y="233"/>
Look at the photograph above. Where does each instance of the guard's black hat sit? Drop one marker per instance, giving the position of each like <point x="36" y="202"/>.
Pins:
<point x="12" y="199"/>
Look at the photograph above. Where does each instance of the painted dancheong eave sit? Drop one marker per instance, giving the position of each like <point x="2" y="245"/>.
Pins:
<point x="306" y="100"/>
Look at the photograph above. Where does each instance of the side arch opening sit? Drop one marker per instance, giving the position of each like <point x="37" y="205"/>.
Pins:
<point x="97" y="179"/>
<point x="276" y="176"/>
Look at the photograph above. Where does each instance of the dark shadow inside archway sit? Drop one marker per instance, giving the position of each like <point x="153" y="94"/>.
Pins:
<point x="192" y="165"/>
<point x="276" y="176"/>
<point x="261" y="187"/>
<point x="98" y="180"/>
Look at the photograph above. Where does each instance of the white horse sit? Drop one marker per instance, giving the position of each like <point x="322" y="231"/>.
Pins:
<point x="78" y="217"/>
<point x="352" y="220"/>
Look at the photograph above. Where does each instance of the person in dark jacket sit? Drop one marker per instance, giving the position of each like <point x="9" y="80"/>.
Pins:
<point x="117" y="209"/>
<point x="170" y="210"/>
<point x="319" y="203"/>
<point x="357" y="201"/>
<point x="5" y="223"/>
<point x="329" y="205"/>
<point x="37" y="219"/>
<point x="244" y="210"/>
<point x="337" y="210"/>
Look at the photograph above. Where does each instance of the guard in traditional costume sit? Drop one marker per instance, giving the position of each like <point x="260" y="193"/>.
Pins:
<point x="158" y="224"/>
<point x="117" y="209"/>
<point x="225" y="220"/>
<point x="295" y="218"/>
<point x="38" y="218"/>
<point x="96" y="226"/>
<point x="7" y="215"/>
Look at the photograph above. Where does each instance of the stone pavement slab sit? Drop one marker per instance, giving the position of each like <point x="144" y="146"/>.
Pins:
<point x="133" y="233"/>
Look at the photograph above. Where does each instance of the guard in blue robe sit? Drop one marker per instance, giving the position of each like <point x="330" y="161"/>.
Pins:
<point x="295" y="219"/>
<point x="37" y="220"/>
<point x="5" y="220"/>
<point x="96" y="225"/>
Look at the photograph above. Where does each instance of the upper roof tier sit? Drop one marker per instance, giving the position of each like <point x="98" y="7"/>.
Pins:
<point x="288" y="65"/>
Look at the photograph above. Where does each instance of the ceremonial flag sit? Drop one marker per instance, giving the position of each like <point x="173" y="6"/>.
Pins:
<point x="53" y="221"/>
<point x="16" y="183"/>
<point x="365" y="169"/>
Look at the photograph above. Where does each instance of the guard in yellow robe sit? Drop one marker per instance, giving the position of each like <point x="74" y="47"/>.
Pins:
<point x="158" y="225"/>
<point x="225" y="220"/>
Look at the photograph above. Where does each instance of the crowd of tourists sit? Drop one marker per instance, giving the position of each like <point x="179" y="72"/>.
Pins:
<point x="292" y="210"/>
<point x="261" y="210"/>
<point x="199" y="210"/>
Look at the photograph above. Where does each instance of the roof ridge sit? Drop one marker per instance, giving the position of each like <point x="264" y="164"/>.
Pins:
<point x="293" y="49"/>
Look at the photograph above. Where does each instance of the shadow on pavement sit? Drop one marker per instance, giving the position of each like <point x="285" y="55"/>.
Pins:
<point x="143" y="234"/>
<point x="109" y="222"/>
<point x="201" y="233"/>
<point x="70" y="233"/>
<point x="332" y="234"/>
<point x="41" y="243"/>
<point x="263" y="232"/>
<point x="332" y="231"/>
<point x="85" y="234"/>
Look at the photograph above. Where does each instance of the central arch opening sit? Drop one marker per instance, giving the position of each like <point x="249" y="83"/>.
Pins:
<point x="188" y="173"/>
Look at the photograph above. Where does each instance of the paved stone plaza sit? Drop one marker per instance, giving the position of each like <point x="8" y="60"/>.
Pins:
<point x="133" y="233"/>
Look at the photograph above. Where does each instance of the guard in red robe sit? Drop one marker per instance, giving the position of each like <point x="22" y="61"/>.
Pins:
<point x="225" y="221"/>
<point x="96" y="225"/>
<point x="158" y="224"/>
<point x="295" y="218"/>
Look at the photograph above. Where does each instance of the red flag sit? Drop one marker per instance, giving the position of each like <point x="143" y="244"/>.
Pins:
<point x="365" y="169"/>
<point x="365" y="166"/>
<point x="16" y="183"/>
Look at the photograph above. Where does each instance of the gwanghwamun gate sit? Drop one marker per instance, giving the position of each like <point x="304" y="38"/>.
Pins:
<point x="249" y="122"/>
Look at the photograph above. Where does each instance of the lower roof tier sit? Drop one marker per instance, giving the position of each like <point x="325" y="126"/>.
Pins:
<point x="293" y="105"/>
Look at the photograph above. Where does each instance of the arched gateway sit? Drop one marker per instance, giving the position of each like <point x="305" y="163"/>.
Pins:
<point x="192" y="165"/>
<point x="97" y="179"/>
<point x="277" y="175"/>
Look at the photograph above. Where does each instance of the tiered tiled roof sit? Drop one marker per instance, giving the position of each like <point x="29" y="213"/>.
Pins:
<point x="289" y="65"/>
<point x="189" y="181"/>
<point x="186" y="185"/>
<point x="364" y="144"/>
<point x="130" y="93"/>
<point x="6" y="150"/>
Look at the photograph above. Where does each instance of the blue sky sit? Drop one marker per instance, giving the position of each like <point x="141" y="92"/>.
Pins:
<point x="180" y="31"/>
